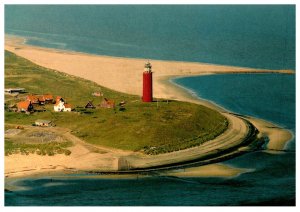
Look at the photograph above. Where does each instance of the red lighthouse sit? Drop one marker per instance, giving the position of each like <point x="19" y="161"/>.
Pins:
<point x="147" y="83"/>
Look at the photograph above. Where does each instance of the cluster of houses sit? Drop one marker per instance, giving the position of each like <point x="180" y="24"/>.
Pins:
<point x="30" y="100"/>
<point x="106" y="103"/>
<point x="33" y="102"/>
<point x="60" y="104"/>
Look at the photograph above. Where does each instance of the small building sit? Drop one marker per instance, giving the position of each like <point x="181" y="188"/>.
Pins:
<point x="122" y="106"/>
<point x="122" y="103"/>
<point x="43" y="123"/>
<point x="12" y="107"/>
<point x="25" y="106"/>
<point x="107" y="103"/>
<point x="90" y="105"/>
<point x="58" y="99"/>
<point x="48" y="98"/>
<point x="41" y="99"/>
<point x="61" y="106"/>
<point x="97" y="93"/>
<point x="68" y="108"/>
<point x="14" y="90"/>
<point x="33" y="99"/>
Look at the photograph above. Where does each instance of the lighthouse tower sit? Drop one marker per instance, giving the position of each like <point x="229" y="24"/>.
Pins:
<point x="147" y="83"/>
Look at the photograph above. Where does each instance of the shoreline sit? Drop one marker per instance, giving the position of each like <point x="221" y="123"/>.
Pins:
<point x="112" y="78"/>
<point x="88" y="66"/>
<point x="84" y="157"/>
<point x="209" y="103"/>
<point x="20" y="41"/>
<point x="212" y="170"/>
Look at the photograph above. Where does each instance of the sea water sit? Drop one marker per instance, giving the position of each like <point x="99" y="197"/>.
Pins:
<point x="267" y="96"/>
<point x="250" y="36"/>
<point x="241" y="35"/>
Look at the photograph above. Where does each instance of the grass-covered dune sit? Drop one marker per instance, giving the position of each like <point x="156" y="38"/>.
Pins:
<point x="149" y="127"/>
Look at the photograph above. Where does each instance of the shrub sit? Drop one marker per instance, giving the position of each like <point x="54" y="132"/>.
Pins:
<point x="60" y="151"/>
<point x="50" y="153"/>
<point x="67" y="152"/>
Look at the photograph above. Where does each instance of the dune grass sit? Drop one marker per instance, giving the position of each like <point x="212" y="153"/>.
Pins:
<point x="49" y="149"/>
<point x="149" y="127"/>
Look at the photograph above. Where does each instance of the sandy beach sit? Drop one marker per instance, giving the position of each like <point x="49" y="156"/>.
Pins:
<point x="114" y="73"/>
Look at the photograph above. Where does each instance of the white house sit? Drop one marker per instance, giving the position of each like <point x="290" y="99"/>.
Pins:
<point x="61" y="106"/>
<point x="68" y="107"/>
<point x="43" y="123"/>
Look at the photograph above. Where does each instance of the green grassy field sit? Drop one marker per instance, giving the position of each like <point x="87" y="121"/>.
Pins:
<point x="171" y="126"/>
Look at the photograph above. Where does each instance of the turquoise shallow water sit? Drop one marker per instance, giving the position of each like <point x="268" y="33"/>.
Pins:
<point x="250" y="36"/>
<point x="267" y="96"/>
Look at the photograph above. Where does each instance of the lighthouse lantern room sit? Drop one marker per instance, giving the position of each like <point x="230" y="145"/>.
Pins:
<point x="147" y="83"/>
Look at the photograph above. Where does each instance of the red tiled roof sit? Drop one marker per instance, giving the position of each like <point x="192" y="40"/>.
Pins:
<point x="32" y="98"/>
<point x="41" y="98"/>
<point x="110" y="102"/>
<point x="23" y="105"/>
<point x="68" y="105"/>
<point x="107" y="103"/>
<point x="48" y="96"/>
<point x="58" y="98"/>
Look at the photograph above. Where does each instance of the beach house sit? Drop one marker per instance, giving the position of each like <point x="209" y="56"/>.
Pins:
<point x="33" y="99"/>
<point x="43" y="123"/>
<point x="61" y="106"/>
<point x="107" y="103"/>
<point x="90" y="105"/>
<point x="25" y="106"/>
<point x="14" y="90"/>
<point x="59" y="98"/>
<point x="48" y="98"/>
<point x="97" y="93"/>
<point x="68" y="108"/>
<point x="41" y="99"/>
